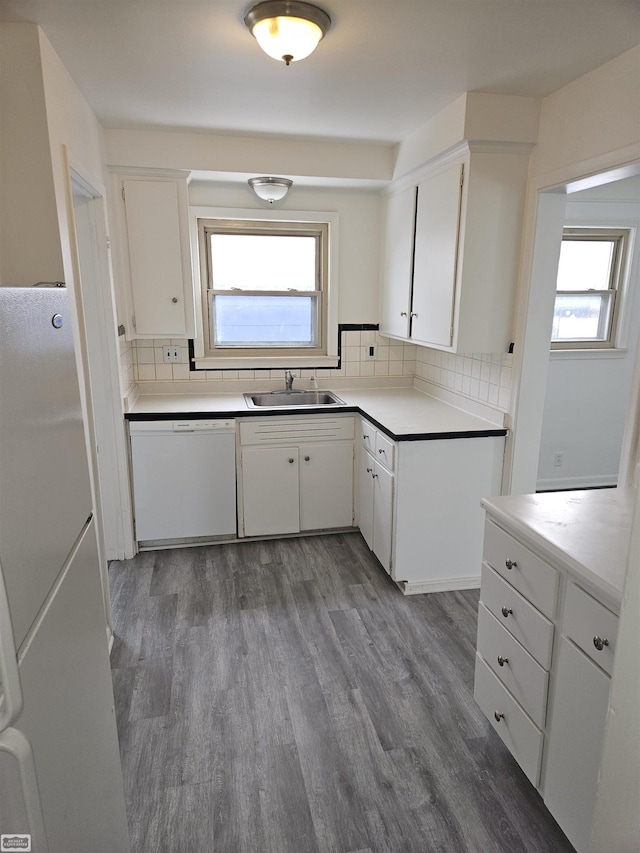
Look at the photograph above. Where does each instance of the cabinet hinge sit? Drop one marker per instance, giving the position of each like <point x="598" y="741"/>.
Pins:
<point x="133" y="320"/>
<point x="462" y="175"/>
<point x="122" y="193"/>
<point x="108" y="242"/>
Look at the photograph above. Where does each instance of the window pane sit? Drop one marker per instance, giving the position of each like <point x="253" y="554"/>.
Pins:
<point x="263" y="262"/>
<point x="585" y="264"/>
<point x="264" y="321"/>
<point x="581" y="317"/>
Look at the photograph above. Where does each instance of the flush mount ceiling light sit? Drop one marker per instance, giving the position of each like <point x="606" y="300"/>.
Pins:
<point x="270" y="189"/>
<point x="286" y="29"/>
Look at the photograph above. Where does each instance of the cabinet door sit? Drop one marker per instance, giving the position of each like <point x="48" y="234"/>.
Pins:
<point x="435" y="258"/>
<point x="270" y="490"/>
<point x="382" y="514"/>
<point x="326" y="485"/>
<point x="366" y="468"/>
<point x="156" y="260"/>
<point x="398" y="263"/>
<point x="575" y="743"/>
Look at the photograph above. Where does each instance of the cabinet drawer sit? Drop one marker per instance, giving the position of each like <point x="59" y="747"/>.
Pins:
<point x="527" y="624"/>
<point x="368" y="436"/>
<point x="519" y="672"/>
<point x="535" y="579"/>
<point x="277" y="430"/>
<point x="385" y="451"/>
<point x="520" y="735"/>
<point x="591" y="626"/>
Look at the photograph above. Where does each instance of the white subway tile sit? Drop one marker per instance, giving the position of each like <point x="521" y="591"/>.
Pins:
<point x="352" y="368"/>
<point x="395" y="367"/>
<point x="164" y="373"/>
<point x="146" y="372"/>
<point x="367" y="368"/>
<point x="381" y="368"/>
<point x="180" y="371"/>
<point x="351" y="353"/>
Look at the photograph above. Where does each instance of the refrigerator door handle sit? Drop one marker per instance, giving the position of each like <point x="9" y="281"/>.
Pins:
<point x="11" y="699"/>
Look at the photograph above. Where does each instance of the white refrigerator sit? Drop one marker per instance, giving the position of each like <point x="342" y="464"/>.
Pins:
<point x="60" y="777"/>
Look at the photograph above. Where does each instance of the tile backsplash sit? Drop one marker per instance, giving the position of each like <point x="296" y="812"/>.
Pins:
<point x="485" y="377"/>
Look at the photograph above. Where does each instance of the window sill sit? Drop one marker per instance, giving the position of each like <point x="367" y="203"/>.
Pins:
<point x="589" y="354"/>
<point x="265" y="363"/>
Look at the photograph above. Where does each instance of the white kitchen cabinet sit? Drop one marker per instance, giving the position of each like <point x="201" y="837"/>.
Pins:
<point x="297" y="475"/>
<point x="376" y="491"/>
<point x="450" y="268"/>
<point x="547" y="700"/>
<point x="419" y="505"/>
<point x="153" y="254"/>
<point x="271" y="490"/>
<point x="575" y="742"/>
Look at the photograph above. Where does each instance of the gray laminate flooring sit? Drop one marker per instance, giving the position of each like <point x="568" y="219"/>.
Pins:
<point x="284" y="697"/>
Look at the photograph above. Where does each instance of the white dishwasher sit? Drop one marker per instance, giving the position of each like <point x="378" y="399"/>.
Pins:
<point x="184" y="479"/>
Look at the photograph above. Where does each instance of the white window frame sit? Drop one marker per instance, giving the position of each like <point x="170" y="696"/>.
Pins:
<point x="324" y="355"/>
<point x="616" y="290"/>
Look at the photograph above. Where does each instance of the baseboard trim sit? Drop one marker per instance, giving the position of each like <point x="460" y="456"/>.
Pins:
<point x="599" y="481"/>
<point x="442" y="585"/>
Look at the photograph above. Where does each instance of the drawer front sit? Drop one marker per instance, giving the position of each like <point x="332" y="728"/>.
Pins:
<point x="278" y="430"/>
<point x="591" y="626"/>
<point x="385" y="451"/>
<point x="533" y="630"/>
<point x="535" y="579"/>
<point x="368" y="436"/>
<point x="516" y="669"/>
<point x="519" y="734"/>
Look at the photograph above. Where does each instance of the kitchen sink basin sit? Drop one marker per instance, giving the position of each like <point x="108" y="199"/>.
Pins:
<point x="292" y="399"/>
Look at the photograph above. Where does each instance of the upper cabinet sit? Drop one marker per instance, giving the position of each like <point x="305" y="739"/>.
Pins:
<point x="153" y="257"/>
<point x="451" y="251"/>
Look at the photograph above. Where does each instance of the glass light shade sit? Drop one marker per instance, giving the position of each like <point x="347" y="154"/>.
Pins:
<point x="282" y="37"/>
<point x="270" y="189"/>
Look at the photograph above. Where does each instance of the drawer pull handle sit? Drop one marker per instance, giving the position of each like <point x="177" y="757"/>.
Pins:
<point x="498" y="716"/>
<point x="382" y="450"/>
<point x="510" y="563"/>
<point x="506" y="611"/>
<point x="502" y="661"/>
<point x="600" y="643"/>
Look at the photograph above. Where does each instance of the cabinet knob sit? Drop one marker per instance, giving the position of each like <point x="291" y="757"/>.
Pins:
<point x="365" y="436"/>
<point x="502" y="661"/>
<point x="307" y="458"/>
<point x="403" y="313"/>
<point x="369" y="470"/>
<point x="600" y="643"/>
<point x="291" y="461"/>
<point x="382" y="450"/>
<point x="175" y="300"/>
<point x="506" y="611"/>
<point x="374" y="476"/>
<point x="413" y="314"/>
<point x="498" y="716"/>
<point x="510" y="563"/>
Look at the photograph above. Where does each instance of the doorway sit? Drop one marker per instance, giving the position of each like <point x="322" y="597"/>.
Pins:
<point x="588" y="389"/>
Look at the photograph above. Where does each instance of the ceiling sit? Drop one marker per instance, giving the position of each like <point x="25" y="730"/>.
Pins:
<point x="384" y="68"/>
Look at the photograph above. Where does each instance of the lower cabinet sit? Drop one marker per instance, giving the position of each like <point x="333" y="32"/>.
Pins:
<point x="297" y="475"/>
<point x="418" y="505"/>
<point x="543" y="665"/>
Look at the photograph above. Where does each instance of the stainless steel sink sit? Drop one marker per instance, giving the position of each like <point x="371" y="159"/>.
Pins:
<point x="292" y="399"/>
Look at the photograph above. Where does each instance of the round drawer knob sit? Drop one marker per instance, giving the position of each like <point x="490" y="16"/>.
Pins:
<point x="506" y="611"/>
<point x="510" y="563"/>
<point x="291" y="461"/>
<point x="307" y="458"/>
<point x="403" y="313"/>
<point x="369" y="470"/>
<point x="382" y="450"/>
<point x="175" y="300"/>
<point x="498" y="716"/>
<point x="600" y="643"/>
<point x="502" y="661"/>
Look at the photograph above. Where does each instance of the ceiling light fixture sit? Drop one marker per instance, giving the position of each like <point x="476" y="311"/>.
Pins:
<point x="286" y="29"/>
<point x="270" y="189"/>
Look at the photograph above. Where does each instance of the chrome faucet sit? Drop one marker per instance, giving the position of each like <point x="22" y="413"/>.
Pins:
<point x="288" y="380"/>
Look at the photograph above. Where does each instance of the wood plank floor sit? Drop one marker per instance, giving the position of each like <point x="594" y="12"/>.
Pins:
<point x="284" y="697"/>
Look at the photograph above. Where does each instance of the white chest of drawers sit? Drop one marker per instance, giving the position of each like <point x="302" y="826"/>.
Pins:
<point x="546" y="644"/>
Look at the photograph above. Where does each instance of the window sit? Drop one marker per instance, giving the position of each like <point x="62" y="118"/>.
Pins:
<point x="265" y="290"/>
<point x="588" y="288"/>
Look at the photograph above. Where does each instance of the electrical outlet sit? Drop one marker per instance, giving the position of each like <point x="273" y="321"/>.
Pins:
<point x="171" y="354"/>
<point x="558" y="459"/>
<point x="371" y="352"/>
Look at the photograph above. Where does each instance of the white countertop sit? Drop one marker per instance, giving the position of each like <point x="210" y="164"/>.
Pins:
<point x="401" y="412"/>
<point x="586" y="532"/>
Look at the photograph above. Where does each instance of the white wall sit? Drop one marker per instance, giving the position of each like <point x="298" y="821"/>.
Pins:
<point x="29" y="239"/>
<point x="587" y="397"/>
